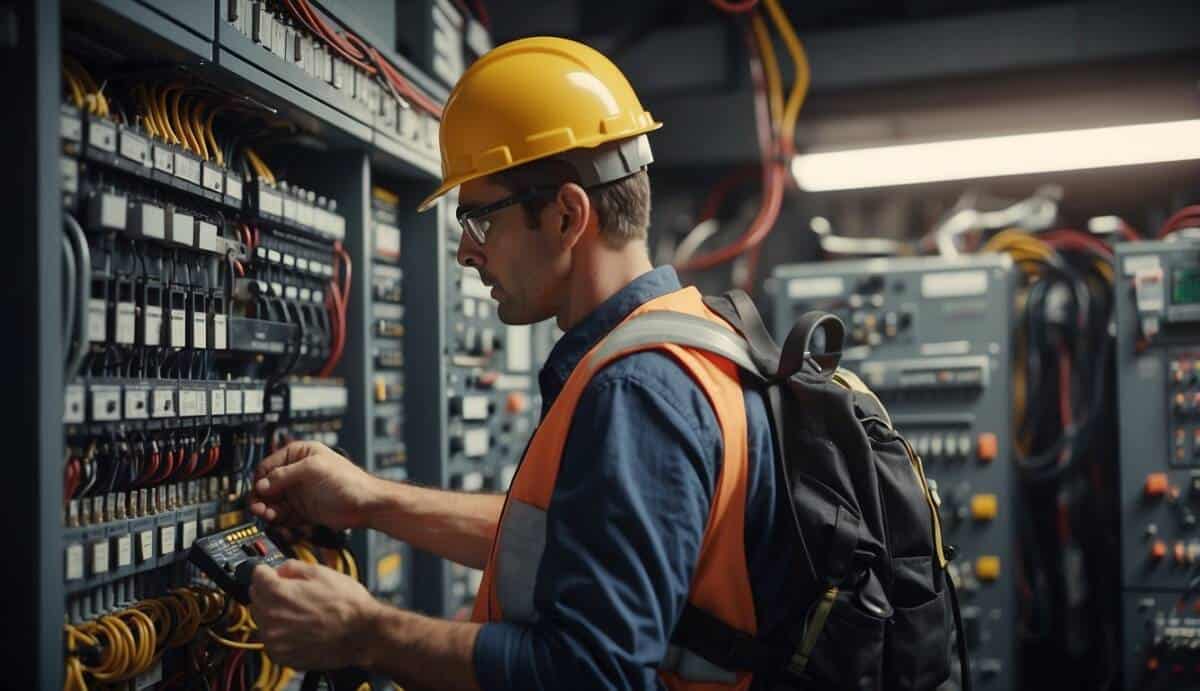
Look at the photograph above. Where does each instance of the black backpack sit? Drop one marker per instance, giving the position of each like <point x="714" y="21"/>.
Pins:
<point x="873" y="565"/>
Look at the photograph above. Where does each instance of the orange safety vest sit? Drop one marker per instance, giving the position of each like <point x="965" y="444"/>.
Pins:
<point x="721" y="583"/>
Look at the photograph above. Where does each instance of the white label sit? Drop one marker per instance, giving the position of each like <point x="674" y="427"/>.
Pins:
<point x="290" y="292"/>
<point x="220" y="331"/>
<point x="102" y="135"/>
<point x="276" y="288"/>
<point x="253" y="401"/>
<point x="164" y="160"/>
<point x="200" y="331"/>
<point x="135" y="148"/>
<point x="189" y="534"/>
<point x="468" y="308"/>
<point x="474" y="407"/>
<point x="152" y="325"/>
<point x="302" y="264"/>
<point x="164" y="403"/>
<point x="1148" y="262"/>
<point x="113" y="211"/>
<point x="212" y="177"/>
<point x="945" y="348"/>
<point x="207" y="525"/>
<point x="476" y="442"/>
<point x="70" y="128"/>
<point x="153" y="222"/>
<point x="472" y="482"/>
<point x="166" y="538"/>
<point x="387" y="240"/>
<point x="306" y="294"/>
<point x="217" y="401"/>
<point x="145" y="545"/>
<point x="73" y="404"/>
<point x="74" y="562"/>
<point x="187" y="168"/>
<point x="519" y="348"/>
<point x="124" y="551"/>
<point x="206" y="237"/>
<point x="953" y="284"/>
<point x="269" y="202"/>
<point x="289" y="261"/>
<point x="233" y="402"/>
<point x="304" y="214"/>
<point x="126" y="323"/>
<point x="190" y="403"/>
<point x="68" y="169"/>
<point x="183" y="228"/>
<point x="178" y="328"/>
<point x="137" y="404"/>
<point x="274" y="256"/>
<point x="822" y="287"/>
<point x="233" y="187"/>
<point x="100" y="557"/>
<point x="106" y="404"/>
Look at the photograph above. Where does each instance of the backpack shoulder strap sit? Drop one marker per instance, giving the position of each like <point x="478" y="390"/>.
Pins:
<point x="679" y="329"/>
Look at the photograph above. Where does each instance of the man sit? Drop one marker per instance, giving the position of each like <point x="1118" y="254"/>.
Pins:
<point x="649" y="483"/>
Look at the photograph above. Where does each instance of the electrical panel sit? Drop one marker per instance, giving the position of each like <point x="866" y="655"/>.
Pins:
<point x="441" y="36"/>
<point x="229" y="285"/>
<point x="471" y="405"/>
<point x="1158" y="394"/>
<point x="933" y="338"/>
<point x="389" y="560"/>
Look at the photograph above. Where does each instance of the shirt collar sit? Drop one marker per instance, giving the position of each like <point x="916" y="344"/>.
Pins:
<point x="582" y="337"/>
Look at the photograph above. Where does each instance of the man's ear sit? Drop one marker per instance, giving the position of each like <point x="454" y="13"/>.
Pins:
<point x="574" y="208"/>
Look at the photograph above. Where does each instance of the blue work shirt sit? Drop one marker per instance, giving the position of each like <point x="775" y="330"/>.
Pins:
<point x="627" y="518"/>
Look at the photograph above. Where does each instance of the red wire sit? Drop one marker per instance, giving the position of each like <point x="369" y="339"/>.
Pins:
<point x="150" y="469"/>
<point x="734" y="7"/>
<point x="773" y="180"/>
<point x="1064" y="385"/>
<point x="71" y="479"/>
<point x="231" y="665"/>
<point x="1187" y="213"/>
<point x="1071" y="239"/>
<point x="482" y="15"/>
<point x="724" y="186"/>
<point x="1129" y="232"/>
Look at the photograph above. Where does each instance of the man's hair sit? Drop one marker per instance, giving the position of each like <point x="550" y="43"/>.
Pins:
<point x="622" y="206"/>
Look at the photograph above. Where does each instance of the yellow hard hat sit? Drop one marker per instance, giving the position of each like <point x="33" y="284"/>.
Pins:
<point x="535" y="98"/>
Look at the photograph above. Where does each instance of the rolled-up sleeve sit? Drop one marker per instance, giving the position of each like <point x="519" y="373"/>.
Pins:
<point x="624" y="530"/>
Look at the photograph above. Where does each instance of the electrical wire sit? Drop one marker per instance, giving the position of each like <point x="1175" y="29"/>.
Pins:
<point x="800" y="80"/>
<point x="71" y="298"/>
<point x="1180" y="219"/>
<point x="83" y="262"/>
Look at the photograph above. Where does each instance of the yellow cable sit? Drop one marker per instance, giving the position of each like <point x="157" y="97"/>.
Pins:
<point x="304" y="553"/>
<point x="197" y="123"/>
<point x="791" y="111"/>
<point x="771" y="66"/>
<point x="212" y="137"/>
<point x="234" y="644"/>
<point x="163" y="114"/>
<point x="172" y="112"/>
<point x="260" y="167"/>
<point x="74" y="87"/>
<point x="351" y="563"/>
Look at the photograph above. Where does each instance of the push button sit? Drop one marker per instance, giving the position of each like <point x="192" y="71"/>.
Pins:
<point x="1156" y="485"/>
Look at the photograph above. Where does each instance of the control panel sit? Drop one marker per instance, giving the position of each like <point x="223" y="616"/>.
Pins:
<point x="471" y="404"/>
<point x="932" y="337"/>
<point x="1158" y="394"/>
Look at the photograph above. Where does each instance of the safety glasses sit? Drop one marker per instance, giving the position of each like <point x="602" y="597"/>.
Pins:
<point x="475" y="221"/>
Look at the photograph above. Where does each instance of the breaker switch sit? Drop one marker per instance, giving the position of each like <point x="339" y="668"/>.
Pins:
<point x="1156" y="485"/>
<point x="989" y="446"/>
<point x="984" y="507"/>
<point x="1158" y="550"/>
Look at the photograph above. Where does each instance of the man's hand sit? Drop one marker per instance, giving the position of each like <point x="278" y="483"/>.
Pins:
<point x="306" y="482"/>
<point x="310" y="616"/>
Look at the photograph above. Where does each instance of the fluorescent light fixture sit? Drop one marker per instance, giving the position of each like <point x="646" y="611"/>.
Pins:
<point x="986" y="157"/>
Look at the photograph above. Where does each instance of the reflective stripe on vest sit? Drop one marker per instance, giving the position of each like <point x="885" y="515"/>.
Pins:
<point x="720" y="582"/>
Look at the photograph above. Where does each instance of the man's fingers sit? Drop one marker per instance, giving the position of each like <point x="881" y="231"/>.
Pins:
<point x="296" y="569"/>
<point x="263" y="584"/>
<point x="274" y="484"/>
<point x="289" y="454"/>
<point x="278" y="514"/>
